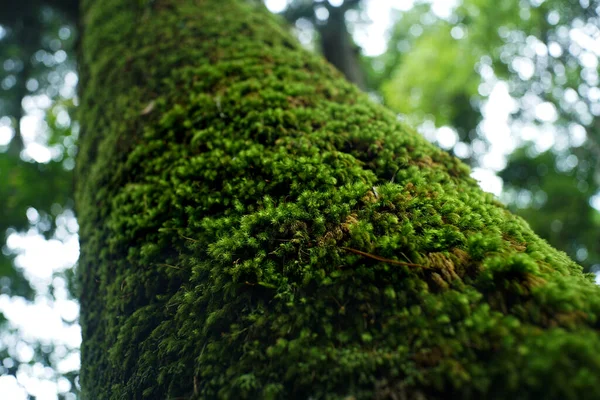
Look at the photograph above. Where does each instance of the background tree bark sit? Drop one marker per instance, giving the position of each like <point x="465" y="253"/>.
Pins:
<point x="335" y="40"/>
<point x="339" y="48"/>
<point x="252" y="226"/>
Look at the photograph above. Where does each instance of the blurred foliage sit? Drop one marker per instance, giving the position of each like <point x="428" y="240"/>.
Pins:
<point x="429" y="74"/>
<point x="36" y="43"/>
<point x="37" y="78"/>
<point x="443" y="69"/>
<point x="552" y="191"/>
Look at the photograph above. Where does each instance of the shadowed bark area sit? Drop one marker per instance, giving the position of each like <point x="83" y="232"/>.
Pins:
<point x="252" y="226"/>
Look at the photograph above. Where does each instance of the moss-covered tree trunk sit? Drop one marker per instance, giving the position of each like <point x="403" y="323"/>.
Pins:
<point x="252" y="226"/>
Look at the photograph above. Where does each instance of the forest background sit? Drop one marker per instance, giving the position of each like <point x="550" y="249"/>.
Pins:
<point x="510" y="87"/>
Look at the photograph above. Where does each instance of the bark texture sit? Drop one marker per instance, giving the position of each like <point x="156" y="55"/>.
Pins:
<point x="253" y="227"/>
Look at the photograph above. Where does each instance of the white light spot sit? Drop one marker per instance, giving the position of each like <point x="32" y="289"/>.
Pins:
<point x="496" y="127"/>
<point x="63" y="385"/>
<point x="555" y="50"/>
<point x="60" y="56"/>
<point x="10" y="388"/>
<point x="64" y="33"/>
<point x="446" y="137"/>
<point x="581" y="254"/>
<point x="443" y="8"/>
<point x="71" y="363"/>
<point x="457" y="32"/>
<point x="577" y="134"/>
<point x="553" y="17"/>
<point x="69" y="310"/>
<point x="276" y="6"/>
<point x="416" y="30"/>
<point x="32" y="215"/>
<point x="9" y="65"/>
<point x="9" y="82"/>
<point x="488" y="180"/>
<point x="585" y="41"/>
<point x="6" y="134"/>
<point x="540" y="49"/>
<point x="24" y="352"/>
<point x="595" y="202"/>
<point x="589" y="60"/>
<point x="71" y="78"/>
<point x="322" y="13"/>
<point x="570" y="96"/>
<point x="462" y="150"/>
<point x="546" y="112"/>
<point x="38" y="152"/>
<point x="32" y="85"/>
<point x="373" y="40"/>
<point x="63" y="119"/>
<point x="524" y="67"/>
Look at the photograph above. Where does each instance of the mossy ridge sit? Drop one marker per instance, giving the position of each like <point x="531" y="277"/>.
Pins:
<point x="225" y="173"/>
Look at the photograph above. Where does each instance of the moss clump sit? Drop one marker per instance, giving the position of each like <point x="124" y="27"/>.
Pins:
<point x="254" y="227"/>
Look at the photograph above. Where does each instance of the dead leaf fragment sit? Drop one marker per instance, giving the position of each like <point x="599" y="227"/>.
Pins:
<point x="148" y="109"/>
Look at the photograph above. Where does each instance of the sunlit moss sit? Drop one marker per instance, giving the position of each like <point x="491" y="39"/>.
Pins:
<point x="252" y="226"/>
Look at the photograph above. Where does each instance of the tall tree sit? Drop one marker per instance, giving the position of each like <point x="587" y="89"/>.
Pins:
<point x="252" y="226"/>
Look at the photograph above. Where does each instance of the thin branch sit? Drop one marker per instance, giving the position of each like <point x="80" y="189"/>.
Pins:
<point x="189" y="238"/>
<point x="382" y="259"/>
<point x="169" y="265"/>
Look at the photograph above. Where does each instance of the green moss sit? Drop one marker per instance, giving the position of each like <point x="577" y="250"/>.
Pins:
<point x="254" y="227"/>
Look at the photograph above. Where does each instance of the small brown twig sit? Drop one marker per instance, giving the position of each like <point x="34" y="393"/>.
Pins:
<point x="169" y="265"/>
<point x="382" y="259"/>
<point x="189" y="238"/>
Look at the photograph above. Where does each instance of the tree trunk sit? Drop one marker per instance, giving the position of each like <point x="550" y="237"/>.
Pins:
<point x="252" y="226"/>
<point x="339" y="49"/>
<point x="336" y="42"/>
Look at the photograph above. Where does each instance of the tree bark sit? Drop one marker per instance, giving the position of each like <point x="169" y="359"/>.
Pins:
<point x="338" y="47"/>
<point x="252" y="226"/>
<point x="336" y="42"/>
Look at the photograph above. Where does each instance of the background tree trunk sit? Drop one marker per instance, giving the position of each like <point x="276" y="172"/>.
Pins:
<point x="338" y="47"/>
<point x="335" y="40"/>
<point x="252" y="226"/>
